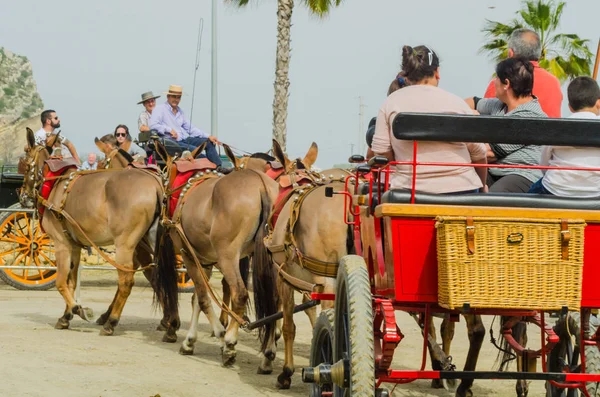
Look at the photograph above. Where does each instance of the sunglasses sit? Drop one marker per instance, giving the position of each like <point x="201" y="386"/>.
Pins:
<point x="55" y="118"/>
<point x="121" y="134"/>
<point x="175" y="96"/>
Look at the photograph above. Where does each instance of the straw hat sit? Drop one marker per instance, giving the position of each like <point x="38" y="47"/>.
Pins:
<point x="174" y="90"/>
<point x="146" y="96"/>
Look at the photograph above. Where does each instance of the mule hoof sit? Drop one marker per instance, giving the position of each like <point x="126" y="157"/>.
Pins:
<point x="169" y="338"/>
<point x="101" y="320"/>
<point x="228" y="357"/>
<point x="283" y="382"/>
<point x="464" y="393"/>
<point x="436" y="384"/>
<point x="186" y="352"/>
<point x="107" y="331"/>
<point x="261" y="371"/>
<point x="62" y="324"/>
<point x="449" y="384"/>
<point x="86" y="313"/>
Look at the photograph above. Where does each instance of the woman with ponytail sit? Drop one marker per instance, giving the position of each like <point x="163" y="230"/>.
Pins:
<point x="421" y="75"/>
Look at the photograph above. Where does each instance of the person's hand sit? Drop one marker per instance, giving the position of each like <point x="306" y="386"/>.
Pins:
<point x="174" y="134"/>
<point x="485" y="189"/>
<point x="213" y="139"/>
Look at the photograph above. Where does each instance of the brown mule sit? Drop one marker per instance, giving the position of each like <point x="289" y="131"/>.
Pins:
<point x="118" y="158"/>
<point x="320" y="234"/>
<point x="115" y="207"/>
<point x="220" y="217"/>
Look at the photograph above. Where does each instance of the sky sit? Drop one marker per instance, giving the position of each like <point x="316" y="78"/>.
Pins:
<point x="93" y="60"/>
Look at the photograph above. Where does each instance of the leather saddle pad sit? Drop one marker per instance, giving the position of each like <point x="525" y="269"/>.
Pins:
<point x="194" y="165"/>
<point x="149" y="167"/>
<point x="55" y="165"/>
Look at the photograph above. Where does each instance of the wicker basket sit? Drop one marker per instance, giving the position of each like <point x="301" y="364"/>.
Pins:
<point x="506" y="263"/>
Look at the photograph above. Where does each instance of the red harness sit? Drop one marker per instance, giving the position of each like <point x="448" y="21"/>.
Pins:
<point x="50" y="179"/>
<point x="180" y="179"/>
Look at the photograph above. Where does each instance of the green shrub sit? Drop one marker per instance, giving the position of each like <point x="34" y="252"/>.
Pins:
<point x="9" y="91"/>
<point x="2" y="105"/>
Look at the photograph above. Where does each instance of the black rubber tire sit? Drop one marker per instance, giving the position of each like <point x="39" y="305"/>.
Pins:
<point x="321" y="348"/>
<point x="353" y="327"/>
<point x="7" y="278"/>
<point x="558" y="355"/>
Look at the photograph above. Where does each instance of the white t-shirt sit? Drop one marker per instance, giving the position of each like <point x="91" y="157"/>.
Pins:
<point x="40" y="138"/>
<point x="570" y="183"/>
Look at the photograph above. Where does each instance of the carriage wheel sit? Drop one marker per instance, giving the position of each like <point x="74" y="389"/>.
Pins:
<point x="184" y="282"/>
<point x="23" y="243"/>
<point x="321" y="348"/>
<point x="566" y="354"/>
<point x="353" y="329"/>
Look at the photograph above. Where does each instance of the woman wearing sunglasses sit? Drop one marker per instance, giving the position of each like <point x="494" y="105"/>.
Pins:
<point x="125" y="142"/>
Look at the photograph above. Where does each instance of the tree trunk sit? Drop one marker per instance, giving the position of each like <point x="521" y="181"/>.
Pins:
<point x="282" y="68"/>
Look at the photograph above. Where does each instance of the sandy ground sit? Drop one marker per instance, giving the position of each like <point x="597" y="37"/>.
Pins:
<point x="37" y="360"/>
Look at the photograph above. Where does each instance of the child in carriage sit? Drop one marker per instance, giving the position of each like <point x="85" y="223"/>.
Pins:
<point x="584" y="102"/>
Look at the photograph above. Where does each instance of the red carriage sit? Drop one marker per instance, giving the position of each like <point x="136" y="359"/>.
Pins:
<point x="511" y="255"/>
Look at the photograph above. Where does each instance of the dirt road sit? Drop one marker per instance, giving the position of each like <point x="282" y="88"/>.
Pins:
<point x="37" y="360"/>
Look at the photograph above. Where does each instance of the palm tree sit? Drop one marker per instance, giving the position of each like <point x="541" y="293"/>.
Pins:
<point x="282" y="59"/>
<point x="564" y="55"/>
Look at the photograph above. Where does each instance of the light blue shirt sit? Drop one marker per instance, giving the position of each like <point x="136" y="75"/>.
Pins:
<point x="163" y="121"/>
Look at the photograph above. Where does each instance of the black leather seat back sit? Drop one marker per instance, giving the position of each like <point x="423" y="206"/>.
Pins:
<point x="528" y="200"/>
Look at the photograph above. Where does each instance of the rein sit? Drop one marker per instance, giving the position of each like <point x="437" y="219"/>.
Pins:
<point x="175" y="224"/>
<point x="60" y="212"/>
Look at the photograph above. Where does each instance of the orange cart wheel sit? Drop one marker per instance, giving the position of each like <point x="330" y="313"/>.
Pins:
<point x="185" y="283"/>
<point x="23" y="243"/>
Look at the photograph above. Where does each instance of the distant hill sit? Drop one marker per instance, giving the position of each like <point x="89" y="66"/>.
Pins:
<point x="20" y="104"/>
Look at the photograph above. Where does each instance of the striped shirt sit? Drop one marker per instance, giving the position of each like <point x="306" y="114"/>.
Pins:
<point x="509" y="153"/>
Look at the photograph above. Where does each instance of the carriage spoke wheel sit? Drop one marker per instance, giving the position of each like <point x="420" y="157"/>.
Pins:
<point x="353" y="329"/>
<point x="566" y="355"/>
<point x="321" y="349"/>
<point x="23" y="243"/>
<point x="184" y="282"/>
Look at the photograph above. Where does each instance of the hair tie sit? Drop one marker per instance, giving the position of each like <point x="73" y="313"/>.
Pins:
<point x="401" y="82"/>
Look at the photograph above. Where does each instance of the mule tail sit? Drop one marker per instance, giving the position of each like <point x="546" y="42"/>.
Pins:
<point x="505" y="352"/>
<point x="165" y="275"/>
<point x="264" y="278"/>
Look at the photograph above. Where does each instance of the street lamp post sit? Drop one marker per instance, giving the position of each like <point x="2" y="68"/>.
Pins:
<point x="213" y="71"/>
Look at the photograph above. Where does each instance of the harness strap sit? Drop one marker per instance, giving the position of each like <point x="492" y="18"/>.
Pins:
<point x="72" y="221"/>
<point x="177" y="226"/>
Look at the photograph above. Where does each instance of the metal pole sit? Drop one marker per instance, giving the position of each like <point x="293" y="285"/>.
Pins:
<point x="214" y="128"/>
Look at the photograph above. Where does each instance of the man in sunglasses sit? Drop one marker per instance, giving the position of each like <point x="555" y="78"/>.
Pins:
<point x="170" y="123"/>
<point x="50" y="123"/>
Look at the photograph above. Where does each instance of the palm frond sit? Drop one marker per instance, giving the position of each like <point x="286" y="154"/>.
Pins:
<point x="238" y="3"/>
<point x="564" y="55"/>
<point x="321" y="7"/>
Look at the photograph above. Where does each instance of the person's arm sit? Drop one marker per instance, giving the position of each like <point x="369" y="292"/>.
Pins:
<point x="191" y="130"/>
<point x="156" y="123"/>
<point x="135" y="150"/>
<point x="482" y="173"/>
<point x="71" y="148"/>
<point x="491" y="156"/>
<point x="143" y="122"/>
<point x="546" y="156"/>
<point x="477" y="153"/>
<point x="382" y="144"/>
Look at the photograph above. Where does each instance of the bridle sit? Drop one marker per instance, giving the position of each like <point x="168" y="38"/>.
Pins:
<point x="34" y="176"/>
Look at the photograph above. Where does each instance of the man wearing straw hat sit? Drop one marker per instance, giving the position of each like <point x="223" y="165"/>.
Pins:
<point x="170" y="122"/>
<point x="149" y="102"/>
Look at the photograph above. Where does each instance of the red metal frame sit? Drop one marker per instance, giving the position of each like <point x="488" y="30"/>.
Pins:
<point x="415" y="288"/>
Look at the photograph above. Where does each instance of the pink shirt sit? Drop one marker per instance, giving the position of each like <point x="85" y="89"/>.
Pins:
<point x="447" y="179"/>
